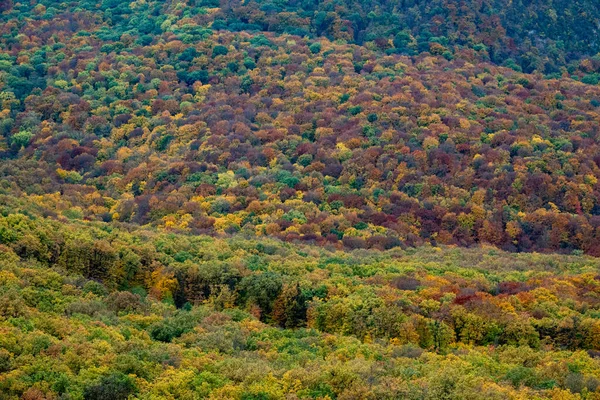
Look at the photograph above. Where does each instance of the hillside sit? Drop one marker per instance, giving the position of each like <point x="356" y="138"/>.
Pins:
<point x="269" y="200"/>
<point x="199" y="130"/>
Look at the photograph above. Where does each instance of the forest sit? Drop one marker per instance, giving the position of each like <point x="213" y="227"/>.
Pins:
<point x="95" y="311"/>
<point x="264" y="200"/>
<point x="189" y="129"/>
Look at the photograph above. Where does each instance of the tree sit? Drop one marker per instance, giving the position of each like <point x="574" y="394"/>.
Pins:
<point x="219" y="50"/>
<point x="289" y="309"/>
<point x="115" y="386"/>
<point x="262" y="290"/>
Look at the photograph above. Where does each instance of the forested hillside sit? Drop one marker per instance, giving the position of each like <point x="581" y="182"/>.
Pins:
<point x="326" y="200"/>
<point x="147" y="113"/>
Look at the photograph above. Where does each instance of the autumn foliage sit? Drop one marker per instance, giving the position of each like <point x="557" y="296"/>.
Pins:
<point x="149" y="314"/>
<point x="299" y="199"/>
<point x="193" y="129"/>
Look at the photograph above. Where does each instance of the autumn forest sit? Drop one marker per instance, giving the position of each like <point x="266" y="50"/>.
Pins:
<point x="269" y="199"/>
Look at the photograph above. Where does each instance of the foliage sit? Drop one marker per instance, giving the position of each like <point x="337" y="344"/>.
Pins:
<point x="296" y="200"/>
<point x="300" y="138"/>
<point x="416" y="323"/>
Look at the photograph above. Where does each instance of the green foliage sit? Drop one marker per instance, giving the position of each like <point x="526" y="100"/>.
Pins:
<point x="315" y="48"/>
<point x="22" y="138"/>
<point x="262" y="290"/>
<point x="219" y="50"/>
<point x="305" y="160"/>
<point x="166" y="331"/>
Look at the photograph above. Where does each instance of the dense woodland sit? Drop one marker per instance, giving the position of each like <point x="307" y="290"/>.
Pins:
<point x="114" y="116"/>
<point x="96" y="311"/>
<point x="266" y="200"/>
